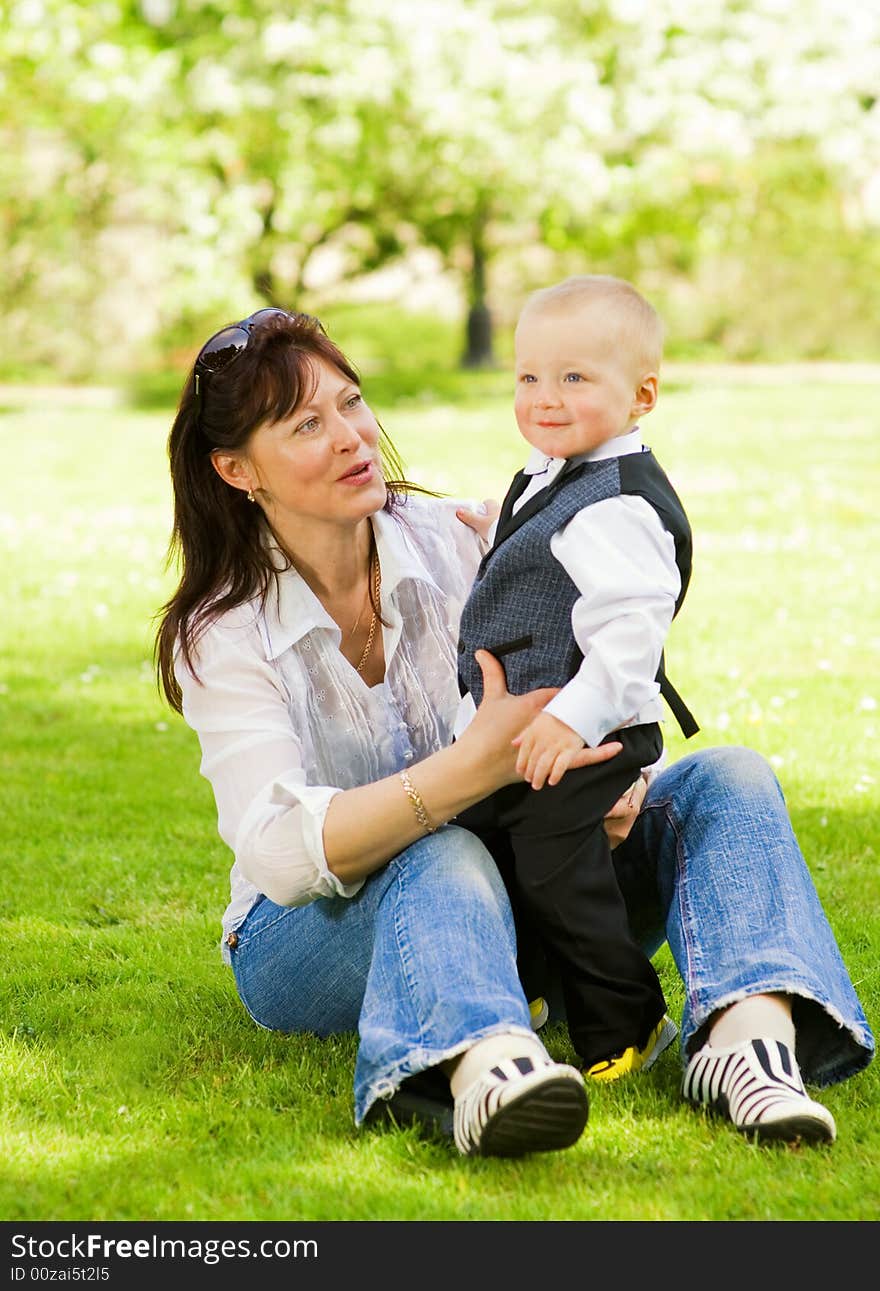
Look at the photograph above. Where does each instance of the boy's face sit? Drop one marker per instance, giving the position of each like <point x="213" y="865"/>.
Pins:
<point x="577" y="385"/>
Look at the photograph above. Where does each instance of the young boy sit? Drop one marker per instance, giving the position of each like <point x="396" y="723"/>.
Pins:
<point x="589" y="563"/>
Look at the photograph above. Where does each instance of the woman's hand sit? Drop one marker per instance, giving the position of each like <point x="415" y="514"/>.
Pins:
<point x="366" y="826"/>
<point x="501" y="717"/>
<point x="622" y="815"/>
<point x="482" y="518"/>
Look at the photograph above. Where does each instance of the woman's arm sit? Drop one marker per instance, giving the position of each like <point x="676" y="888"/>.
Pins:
<point x="295" y="841"/>
<point x="365" y="827"/>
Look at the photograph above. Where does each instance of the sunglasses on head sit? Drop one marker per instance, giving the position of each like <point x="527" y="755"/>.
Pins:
<point x="225" y="346"/>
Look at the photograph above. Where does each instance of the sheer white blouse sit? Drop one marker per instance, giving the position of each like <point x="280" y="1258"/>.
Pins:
<point x="284" y="722"/>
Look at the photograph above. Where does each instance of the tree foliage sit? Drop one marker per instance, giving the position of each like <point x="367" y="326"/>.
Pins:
<point x="165" y="163"/>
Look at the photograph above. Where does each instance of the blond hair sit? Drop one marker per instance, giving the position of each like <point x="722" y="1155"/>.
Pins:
<point x="631" y="320"/>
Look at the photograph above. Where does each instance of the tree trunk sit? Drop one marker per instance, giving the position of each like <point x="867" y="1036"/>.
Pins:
<point x="478" y="351"/>
<point x="263" y="278"/>
<point x="264" y="285"/>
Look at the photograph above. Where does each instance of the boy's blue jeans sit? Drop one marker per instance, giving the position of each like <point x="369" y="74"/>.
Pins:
<point x="422" y="961"/>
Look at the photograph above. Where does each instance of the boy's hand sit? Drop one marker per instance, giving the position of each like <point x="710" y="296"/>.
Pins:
<point x="547" y="748"/>
<point x="622" y="816"/>
<point x="482" y="519"/>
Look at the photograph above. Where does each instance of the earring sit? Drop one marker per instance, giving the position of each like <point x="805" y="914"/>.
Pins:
<point x="250" y="496"/>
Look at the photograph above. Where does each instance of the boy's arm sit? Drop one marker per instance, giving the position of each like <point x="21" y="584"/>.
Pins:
<point x="622" y="560"/>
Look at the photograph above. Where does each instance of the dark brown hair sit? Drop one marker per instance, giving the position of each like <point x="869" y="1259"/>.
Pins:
<point x="217" y="536"/>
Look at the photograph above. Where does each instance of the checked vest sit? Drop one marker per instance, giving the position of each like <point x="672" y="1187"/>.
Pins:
<point x="519" y="608"/>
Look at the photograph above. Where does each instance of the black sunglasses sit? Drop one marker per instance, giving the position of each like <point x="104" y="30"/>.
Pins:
<point x="226" y="345"/>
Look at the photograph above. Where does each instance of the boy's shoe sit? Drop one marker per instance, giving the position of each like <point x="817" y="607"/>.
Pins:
<point x="633" y="1059"/>
<point x="539" y="1012"/>
<point x="758" y="1085"/>
<point x="521" y="1105"/>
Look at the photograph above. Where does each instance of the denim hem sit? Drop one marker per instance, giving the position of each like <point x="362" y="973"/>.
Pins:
<point x="848" y="1062"/>
<point x="385" y="1087"/>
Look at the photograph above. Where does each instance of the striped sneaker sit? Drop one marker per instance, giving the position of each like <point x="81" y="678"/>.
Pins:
<point x="757" y="1085"/>
<point x="631" y="1060"/>
<point x="521" y="1105"/>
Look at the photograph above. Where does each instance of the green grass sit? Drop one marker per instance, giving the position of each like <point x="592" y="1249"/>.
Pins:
<point x="134" y="1085"/>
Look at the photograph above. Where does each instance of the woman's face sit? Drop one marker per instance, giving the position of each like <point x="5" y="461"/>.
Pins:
<point x="323" y="462"/>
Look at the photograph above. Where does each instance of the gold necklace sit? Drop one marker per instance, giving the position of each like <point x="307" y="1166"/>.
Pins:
<point x="364" y="603"/>
<point x="376" y="574"/>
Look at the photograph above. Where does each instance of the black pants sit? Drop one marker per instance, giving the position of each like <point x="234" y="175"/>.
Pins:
<point x="551" y="849"/>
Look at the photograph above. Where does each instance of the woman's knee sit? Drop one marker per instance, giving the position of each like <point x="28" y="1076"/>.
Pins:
<point x="717" y="774"/>
<point x="456" y="858"/>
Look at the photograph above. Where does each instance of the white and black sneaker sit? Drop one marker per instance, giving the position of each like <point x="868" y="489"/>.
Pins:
<point x="521" y="1105"/>
<point x="757" y="1085"/>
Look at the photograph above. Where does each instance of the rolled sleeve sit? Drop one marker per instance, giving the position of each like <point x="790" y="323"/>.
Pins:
<point x="280" y="843"/>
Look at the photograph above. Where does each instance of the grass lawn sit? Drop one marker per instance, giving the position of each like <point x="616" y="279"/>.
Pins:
<point x="134" y="1085"/>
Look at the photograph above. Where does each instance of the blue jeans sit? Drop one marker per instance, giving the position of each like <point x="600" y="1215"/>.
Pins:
<point x="422" y="961"/>
<point x="713" y="867"/>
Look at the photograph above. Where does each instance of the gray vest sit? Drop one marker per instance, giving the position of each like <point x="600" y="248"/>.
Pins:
<point x="519" y="608"/>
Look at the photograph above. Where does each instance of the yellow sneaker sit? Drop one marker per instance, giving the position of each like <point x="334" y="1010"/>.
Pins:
<point x="539" y="1012"/>
<point x="633" y="1059"/>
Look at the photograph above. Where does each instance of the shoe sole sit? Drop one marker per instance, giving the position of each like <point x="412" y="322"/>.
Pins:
<point x="664" y="1040"/>
<point x="800" y="1127"/>
<point x="546" y="1118"/>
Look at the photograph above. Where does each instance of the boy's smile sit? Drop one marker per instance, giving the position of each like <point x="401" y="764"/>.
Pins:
<point x="577" y="384"/>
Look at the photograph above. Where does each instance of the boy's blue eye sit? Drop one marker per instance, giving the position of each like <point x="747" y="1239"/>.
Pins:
<point x="573" y="376"/>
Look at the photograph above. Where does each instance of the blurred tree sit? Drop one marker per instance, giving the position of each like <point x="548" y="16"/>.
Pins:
<point x="511" y="121"/>
<point x="744" y="149"/>
<point x="77" y="137"/>
<point x="160" y="159"/>
<point x="290" y="131"/>
<point x="369" y="126"/>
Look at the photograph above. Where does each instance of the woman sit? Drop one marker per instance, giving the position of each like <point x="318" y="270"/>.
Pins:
<point x="311" y="644"/>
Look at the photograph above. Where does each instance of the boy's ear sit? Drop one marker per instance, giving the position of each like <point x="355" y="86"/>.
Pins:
<point x="233" y="469"/>
<point x="646" y="394"/>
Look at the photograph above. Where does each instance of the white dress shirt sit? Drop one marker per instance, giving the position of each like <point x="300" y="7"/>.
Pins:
<point x="285" y="722"/>
<point x="622" y="561"/>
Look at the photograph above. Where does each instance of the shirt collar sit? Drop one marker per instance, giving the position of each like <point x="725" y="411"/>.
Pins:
<point x="619" y="446"/>
<point x="296" y="610"/>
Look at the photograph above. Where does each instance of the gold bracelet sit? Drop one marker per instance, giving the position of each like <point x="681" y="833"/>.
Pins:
<point x="418" y="806"/>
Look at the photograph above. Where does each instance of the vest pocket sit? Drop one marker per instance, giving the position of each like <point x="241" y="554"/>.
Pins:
<point x="509" y="647"/>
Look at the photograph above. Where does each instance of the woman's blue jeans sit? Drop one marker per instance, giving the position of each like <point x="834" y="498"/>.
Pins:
<point x="713" y="868"/>
<point x="422" y="961"/>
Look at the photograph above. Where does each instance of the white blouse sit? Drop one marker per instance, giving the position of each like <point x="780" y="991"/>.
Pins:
<point x="285" y="722"/>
